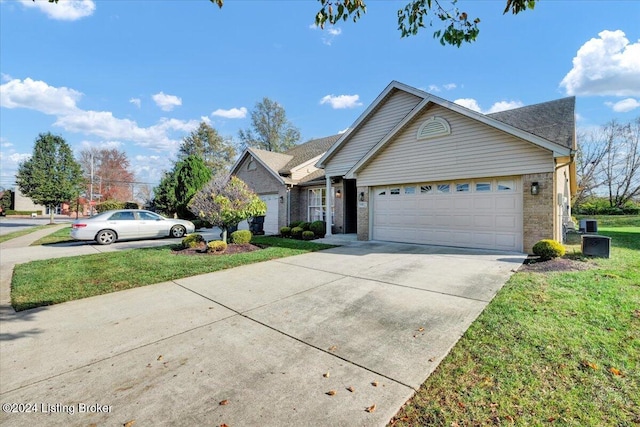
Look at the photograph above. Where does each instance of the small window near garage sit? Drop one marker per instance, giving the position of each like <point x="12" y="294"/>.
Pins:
<point x="462" y="187"/>
<point x="409" y="190"/>
<point x="506" y="185"/>
<point x="382" y="193"/>
<point x="424" y="189"/>
<point x="483" y="186"/>
<point x="434" y="127"/>
<point x="251" y="165"/>
<point x="444" y="188"/>
<point x="394" y="191"/>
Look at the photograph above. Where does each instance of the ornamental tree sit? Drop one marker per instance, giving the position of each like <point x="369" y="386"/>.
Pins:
<point x="51" y="176"/>
<point x="225" y="201"/>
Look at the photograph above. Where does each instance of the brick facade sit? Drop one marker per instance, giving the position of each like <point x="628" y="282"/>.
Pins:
<point x="363" y="214"/>
<point x="538" y="210"/>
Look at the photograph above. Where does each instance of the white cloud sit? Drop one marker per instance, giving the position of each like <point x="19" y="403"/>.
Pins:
<point x="503" y="106"/>
<point x="450" y="86"/>
<point x="166" y="102"/>
<point x="136" y="101"/>
<point x="608" y="65"/>
<point x="102" y="145"/>
<point x="341" y="101"/>
<point x="233" y="113"/>
<point x="205" y="119"/>
<point x="39" y="96"/>
<point x="329" y="33"/>
<point x="469" y="103"/>
<point x="5" y="77"/>
<point x="436" y="88"/>
<point x="472" y="104"/>
<point x="66" y="10"/>
<point x="624" y="106"/>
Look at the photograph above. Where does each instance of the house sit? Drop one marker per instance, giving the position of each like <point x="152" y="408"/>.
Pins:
<point x="289" y="183"/>
<point x="420" y="169"/>
<point x="426" y="170"/>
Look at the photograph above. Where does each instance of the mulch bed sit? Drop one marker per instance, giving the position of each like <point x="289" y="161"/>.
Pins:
<point x="534" y="264"/>
<point x="231" y="249"/>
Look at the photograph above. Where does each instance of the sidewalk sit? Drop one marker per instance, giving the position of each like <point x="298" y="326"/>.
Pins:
<point x="14" y="252"/>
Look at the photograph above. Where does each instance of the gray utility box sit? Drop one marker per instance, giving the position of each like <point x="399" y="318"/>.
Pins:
<point x="588" y="226"/>
<point x="595" y="245"/>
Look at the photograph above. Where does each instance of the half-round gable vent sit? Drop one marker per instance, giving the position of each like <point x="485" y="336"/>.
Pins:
<point x="434" y="126"/>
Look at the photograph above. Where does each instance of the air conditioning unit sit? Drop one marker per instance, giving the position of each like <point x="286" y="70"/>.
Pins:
<point x="599" y="246"/>
<point x="588" y="226"/>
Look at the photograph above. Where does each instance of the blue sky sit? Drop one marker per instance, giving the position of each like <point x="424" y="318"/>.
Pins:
<point x="140" y="75"/>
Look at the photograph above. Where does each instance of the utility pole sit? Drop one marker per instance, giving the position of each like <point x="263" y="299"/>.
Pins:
<point x="91" y="189"/>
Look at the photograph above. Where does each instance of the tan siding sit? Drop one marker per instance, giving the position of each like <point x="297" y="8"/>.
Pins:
<point x="471" y="150"/>
<point x="302" y="172"/>
<point x="377" y="126"/>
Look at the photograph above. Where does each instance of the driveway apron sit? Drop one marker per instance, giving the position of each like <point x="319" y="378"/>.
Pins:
<point x="315" y="339"/>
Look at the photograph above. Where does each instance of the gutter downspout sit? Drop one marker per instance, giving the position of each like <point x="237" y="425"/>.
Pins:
<point x="327" y="215"/>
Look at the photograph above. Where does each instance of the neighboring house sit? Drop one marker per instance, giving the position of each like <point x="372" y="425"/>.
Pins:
<point x="22" y="203"/>
<point x="417" y="168"/>
<point x="290" y="184"/>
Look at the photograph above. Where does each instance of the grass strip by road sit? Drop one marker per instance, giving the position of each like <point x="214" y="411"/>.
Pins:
<point x="59" y="236"/>
<point x="552" y="348"/>
<point x="53" y="281"/>
<point x="24" y="232"/>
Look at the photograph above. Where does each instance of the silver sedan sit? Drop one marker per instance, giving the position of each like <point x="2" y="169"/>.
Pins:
<point x="128" y="224"/>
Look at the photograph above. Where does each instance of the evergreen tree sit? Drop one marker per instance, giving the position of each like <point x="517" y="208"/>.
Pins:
<point x="51" y="176"/>
<point x="216" y="152"/>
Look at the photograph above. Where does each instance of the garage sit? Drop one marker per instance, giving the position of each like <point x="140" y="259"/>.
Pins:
<point x="471" y="213"/>
<point x="271" y="218"/>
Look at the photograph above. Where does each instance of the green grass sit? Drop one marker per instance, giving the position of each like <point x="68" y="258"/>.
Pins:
<point x="53" y="281"/>
<point x="547" y="351"/>
<point x="59" y="236"/>
<point x="24" y="232"/>
<point x="614" y="220"/>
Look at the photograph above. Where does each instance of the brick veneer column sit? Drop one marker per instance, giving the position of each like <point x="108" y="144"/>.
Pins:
<point x="538" y="210"/>
<point x="363" y="214"/>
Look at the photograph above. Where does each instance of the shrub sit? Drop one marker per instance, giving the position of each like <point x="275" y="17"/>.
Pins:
<point x="305" y="225"/>
<point x="109" y="205"/>
<point x="285" y="231"/>
<point x="131" y="205"/>
<point x="318" y="228"/>
<point x="295" y="224"/>
<point x="192" y="240"/>
<point x="217" y="246"/>
<point x="241" y="237"/>
<point x="308" y="235"/>
<point x="297" y="232"/>
<point x="548" y="249"/>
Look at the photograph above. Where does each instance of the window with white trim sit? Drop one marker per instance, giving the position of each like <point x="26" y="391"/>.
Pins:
<point x="462" y="187"/>
<point x="443" y="188"/>
<point x="424" y="189"/>
<point x="410" y="190"/>
<point x="482" y="187"/>
<point x="394" y="191"/>
<point x="506" y="185"/>
<point x="318" y="204"/>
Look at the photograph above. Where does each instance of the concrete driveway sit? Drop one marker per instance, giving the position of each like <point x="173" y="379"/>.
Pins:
<point x="261" y="344"/>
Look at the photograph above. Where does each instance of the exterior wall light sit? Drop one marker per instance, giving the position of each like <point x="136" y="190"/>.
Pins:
<point x="535" y="188"/>
<point x="281" y="199"/>
<point x="338" y="194"/>
<point x="361" y="196"/>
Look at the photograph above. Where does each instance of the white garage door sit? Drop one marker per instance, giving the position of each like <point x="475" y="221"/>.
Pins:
<point x="271" y="217"/>
<point x="481" y="213"/>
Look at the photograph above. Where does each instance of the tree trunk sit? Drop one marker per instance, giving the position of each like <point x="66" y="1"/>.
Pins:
<point x="51" y="211"/>
<point x="224" y="234"/>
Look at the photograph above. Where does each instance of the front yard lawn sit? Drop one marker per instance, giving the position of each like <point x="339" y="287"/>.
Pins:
<point x="552" y="348"/>
<point x="57" y="280"/>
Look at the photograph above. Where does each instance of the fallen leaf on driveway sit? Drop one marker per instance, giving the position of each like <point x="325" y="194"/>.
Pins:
<point x="375" y="383"/>
<point x="326" y="375"/>
<point x="224" y="402"/>
<point x="420" y="329"/>
<point x="331" y="393"/>
<point x="129" y="423"/>
<point x="333" y="348"/>
<point x="159" y="358"/>
<point x="351" y="389"/>
<point x="371" y="408"/>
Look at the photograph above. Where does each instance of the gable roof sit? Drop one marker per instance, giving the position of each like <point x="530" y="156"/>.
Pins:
<point x="552" y="120"/>
<point x="304" y="152"/>
<point x="523" y="124"/>
<point x="279" y="164"/>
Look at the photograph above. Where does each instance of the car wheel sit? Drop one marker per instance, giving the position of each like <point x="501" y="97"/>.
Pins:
<point x="106" y="237"/>
<point x="178" y="231"/>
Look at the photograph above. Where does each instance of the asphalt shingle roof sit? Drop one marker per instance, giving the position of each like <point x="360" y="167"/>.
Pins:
<point x="552" y="120"/>
<point x="307" y="151"/>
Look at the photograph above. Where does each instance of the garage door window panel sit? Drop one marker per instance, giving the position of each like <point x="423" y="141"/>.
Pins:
<point x="443" y="188"/>
<point x="506" y="185"/>
<point x="426" y="189"/>
<point x="482" y="187"/>
<point x="462" y="188"/>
